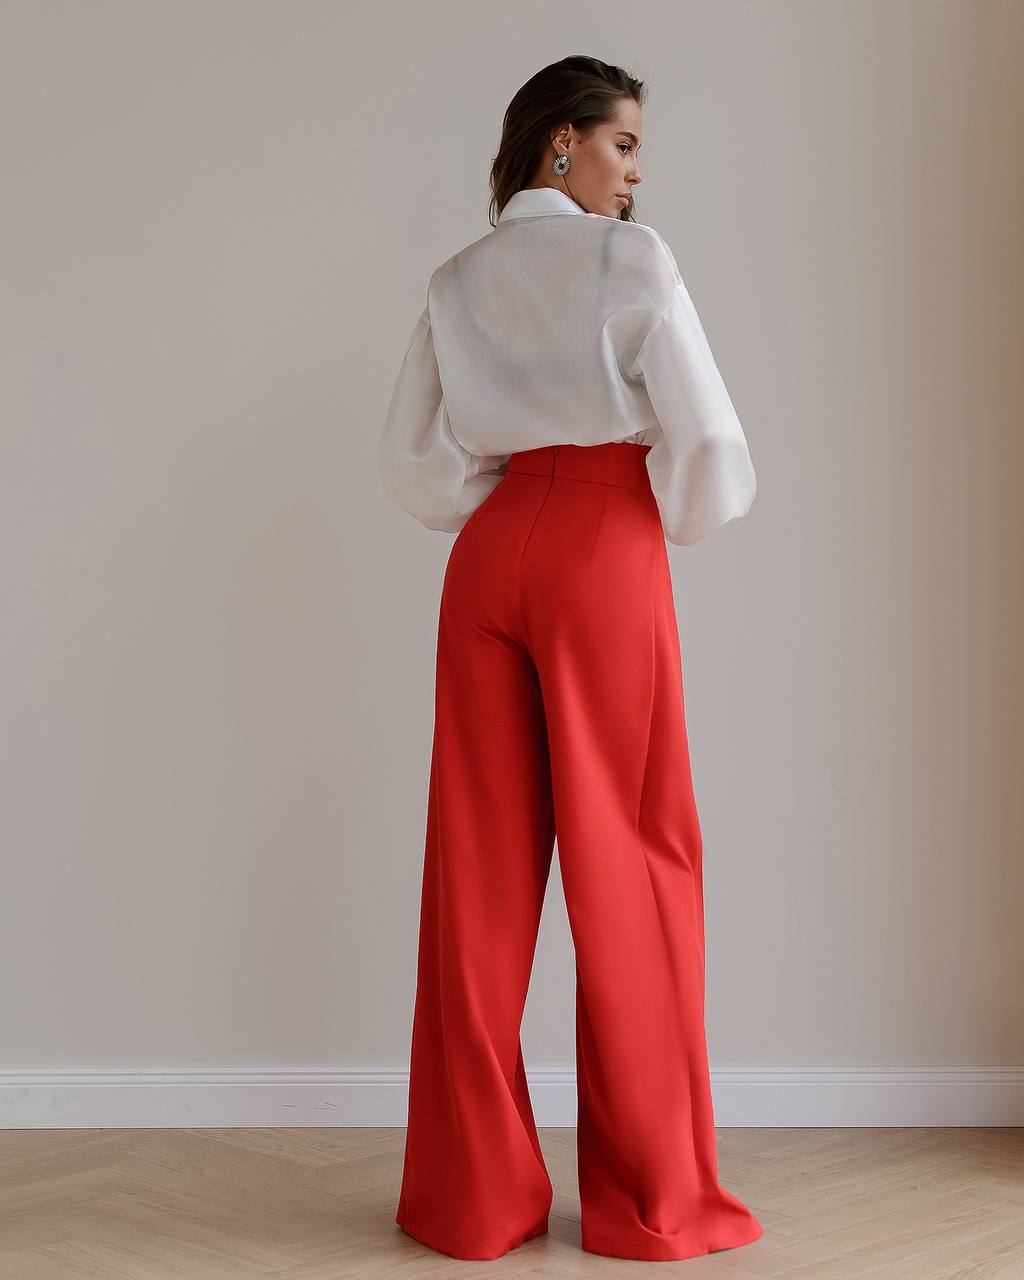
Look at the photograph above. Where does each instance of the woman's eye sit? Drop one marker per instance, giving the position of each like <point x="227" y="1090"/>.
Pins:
<point x="627" y="145"/>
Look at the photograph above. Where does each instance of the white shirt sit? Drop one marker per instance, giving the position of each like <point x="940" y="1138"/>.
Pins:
<point x="562" y="327"/>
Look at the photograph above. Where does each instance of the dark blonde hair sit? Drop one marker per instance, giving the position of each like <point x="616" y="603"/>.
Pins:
<point x="582" y="90"/>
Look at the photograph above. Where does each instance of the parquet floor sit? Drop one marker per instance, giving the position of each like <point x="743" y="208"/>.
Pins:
<point x="319" y="1204"/>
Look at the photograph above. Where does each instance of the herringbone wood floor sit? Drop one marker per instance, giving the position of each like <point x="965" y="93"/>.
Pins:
<point x="319" y="1204"/>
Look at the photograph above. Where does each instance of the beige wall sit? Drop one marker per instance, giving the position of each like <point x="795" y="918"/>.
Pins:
<point x="218" y="638"/>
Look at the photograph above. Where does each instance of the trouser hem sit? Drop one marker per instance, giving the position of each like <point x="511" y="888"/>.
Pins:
<point x="456" y="1248"/>
<point x="666" y="1248"/>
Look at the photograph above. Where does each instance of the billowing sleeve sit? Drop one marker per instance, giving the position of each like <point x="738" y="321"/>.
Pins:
<point x="699" y="464"/>
<point x="423" y="468"/>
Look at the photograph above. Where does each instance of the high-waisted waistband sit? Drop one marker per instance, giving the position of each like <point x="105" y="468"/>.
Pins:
<point x="614" y="463"/>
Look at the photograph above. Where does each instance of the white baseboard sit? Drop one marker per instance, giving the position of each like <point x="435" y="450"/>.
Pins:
<point x="746" y="1097"/>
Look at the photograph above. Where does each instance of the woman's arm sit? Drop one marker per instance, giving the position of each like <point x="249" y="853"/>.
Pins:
<point x="700" y="467"/>
<point x="423" y="468"/>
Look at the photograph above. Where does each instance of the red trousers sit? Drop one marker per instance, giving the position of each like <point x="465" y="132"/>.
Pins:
<point x="559" y="708"/>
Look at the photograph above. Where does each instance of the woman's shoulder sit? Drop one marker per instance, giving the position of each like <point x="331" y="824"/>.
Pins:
<point x="648" y="272"/>
<point x="650" y="252"/>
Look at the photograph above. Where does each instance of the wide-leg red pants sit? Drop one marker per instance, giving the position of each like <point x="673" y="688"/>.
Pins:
<point x="559" y="707"/>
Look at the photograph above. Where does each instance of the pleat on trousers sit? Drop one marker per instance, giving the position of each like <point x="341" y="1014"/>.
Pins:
<point x="559" y="710"/>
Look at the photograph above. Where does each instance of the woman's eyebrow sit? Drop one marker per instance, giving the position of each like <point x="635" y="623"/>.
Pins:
<point x="632" y="137"/>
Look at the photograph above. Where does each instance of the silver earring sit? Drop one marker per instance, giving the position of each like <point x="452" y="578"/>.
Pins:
<point x="561" y="164"/>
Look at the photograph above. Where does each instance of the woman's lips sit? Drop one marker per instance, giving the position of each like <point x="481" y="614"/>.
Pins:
<point x="624" y="199"/>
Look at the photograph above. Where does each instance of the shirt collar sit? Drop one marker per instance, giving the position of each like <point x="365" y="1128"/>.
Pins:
<point x="530" y="202"/>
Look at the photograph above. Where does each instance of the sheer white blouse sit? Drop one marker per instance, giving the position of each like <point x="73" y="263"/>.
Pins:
<point x="555" y="329"/>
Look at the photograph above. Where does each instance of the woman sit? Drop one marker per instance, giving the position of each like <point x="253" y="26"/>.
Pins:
<point x="559" y="409"/>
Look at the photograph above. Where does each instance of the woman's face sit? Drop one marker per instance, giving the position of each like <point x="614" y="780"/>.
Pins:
<point x="603" y="165"/>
